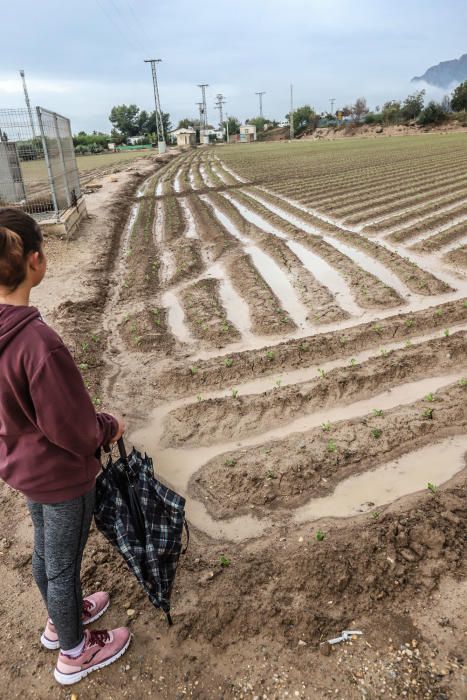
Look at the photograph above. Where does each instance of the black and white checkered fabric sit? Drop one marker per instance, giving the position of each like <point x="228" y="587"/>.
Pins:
<point x="154" y="557"/>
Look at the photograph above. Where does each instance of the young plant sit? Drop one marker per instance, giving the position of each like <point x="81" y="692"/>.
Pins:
<point x="376" y="432"/>
<point x="321" y="372"/>
<point x="378" y="328"/>
<point x="408" y="322"/>
<point x="320" y="535"/>
<point x="331" y="446"/>
<point x="353" y="362"/>
<point x="326" y="427"/>
<point x="376" y="514"/>
<point x="428" y="413"/>
<point x="408" y="343"/>
<point x="270" y="355"/>
<point x="270" y="474"/>
<point x="230" y="462"/>
<point x="194" y="370"/>
<point x="303" y="347"/>
<point x="446" y="332"/>
<point x="439" y="312"/>
<point x="199" y="397"/>
<point x="378" y="412"/>
<point x="431" y="487"/>
<point x="278" y="382"/>
<point x="430" y="397"/>
<point x="234" y="393"/>
<point x="462" y="382"/>
<point x="224" y="561"/>
<point x="384" y="352"/>
<point x="228" y="362"/>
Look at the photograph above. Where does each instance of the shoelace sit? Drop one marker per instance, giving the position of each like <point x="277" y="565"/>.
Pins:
<point x="87" y="606"/>
<point x="99" y="637"/>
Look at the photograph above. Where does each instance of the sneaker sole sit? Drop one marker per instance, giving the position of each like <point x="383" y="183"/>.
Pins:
<point x="65" y="679"/>
<point x="53" y="646"/>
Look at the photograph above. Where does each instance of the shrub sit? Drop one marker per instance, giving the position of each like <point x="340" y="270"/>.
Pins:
<point x="434" y="113"/>
<point x="373" y="118"/>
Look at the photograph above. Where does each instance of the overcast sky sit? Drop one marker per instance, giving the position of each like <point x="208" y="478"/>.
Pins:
<point x="81" y="58"/>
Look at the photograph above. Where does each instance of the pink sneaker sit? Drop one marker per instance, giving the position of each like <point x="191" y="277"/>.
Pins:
<point x="94" y="606"/>
<point x="101" y="648"/>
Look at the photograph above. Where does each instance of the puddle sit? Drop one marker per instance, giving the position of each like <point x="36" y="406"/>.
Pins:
<point x="460" y="243"/>
<point x="232" y="172"/>
<point x="327" y="276"/>
<point x="226" y="222"/>
<point x="159" y="187"/>
<point x="278" y="281"/>
<point x="255" y="218"/>
<point x="219" y="173"/>
<point x="235" y="306"/>
<point x="190" y="230"/>
<point x="205" y="177"/>
<point x="177" y="466"/>
<point x="176" y="317"/>
<point x="412" y="472"/>
<point x="177" y="181"/>
<point x="434" y="231"/>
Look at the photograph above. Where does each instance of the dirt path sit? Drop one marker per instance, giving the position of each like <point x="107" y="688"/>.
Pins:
<point x="273" y="415"/>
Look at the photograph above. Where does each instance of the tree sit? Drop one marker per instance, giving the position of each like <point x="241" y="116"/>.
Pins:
<point x="459" y="97"/>
<point x="391" y="112"/>
<point x="413" y="105"/>
<point x="259" y="122"/>
<point x="124" y="118"/>
<point x="359" y="109"/>
<point x="302" y="118"/>
<point x="234" y="125"/>
<point x="185" y="123"/>
<point x="432" y="114"/>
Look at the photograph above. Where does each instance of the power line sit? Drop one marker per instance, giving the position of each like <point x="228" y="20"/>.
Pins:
<point x="332" y="100"/>
<point x="121" y="30"/>
<point x="219" y="105"/>
<point x="203" y="87"/>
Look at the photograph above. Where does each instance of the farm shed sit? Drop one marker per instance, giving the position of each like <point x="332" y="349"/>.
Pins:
<point x="247" y="133"/>
<point x="184" y="137"/>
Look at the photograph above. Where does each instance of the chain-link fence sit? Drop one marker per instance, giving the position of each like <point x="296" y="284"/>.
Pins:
<point x="38" y="170"/>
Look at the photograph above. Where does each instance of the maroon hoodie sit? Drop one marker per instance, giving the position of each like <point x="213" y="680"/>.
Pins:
<point x="49" y="430"/>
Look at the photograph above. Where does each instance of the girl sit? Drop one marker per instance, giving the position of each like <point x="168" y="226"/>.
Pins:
<point x="50" y="436"/>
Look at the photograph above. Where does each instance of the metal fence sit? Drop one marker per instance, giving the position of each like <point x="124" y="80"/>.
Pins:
<point x="38" y="171"/>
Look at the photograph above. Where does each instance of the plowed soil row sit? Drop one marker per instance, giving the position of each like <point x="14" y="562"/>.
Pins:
<point x="222" y="419"/>
<point x="430" y="224"/>
<point x="318" y="459"/>
<point x="439" y="240"/>
<point x="306" y="352"/>
<point x="416" y="279"/>
<point x="205" y="314"/>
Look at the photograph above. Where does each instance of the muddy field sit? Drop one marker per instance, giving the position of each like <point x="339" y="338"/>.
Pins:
<point x="284" y="327"/>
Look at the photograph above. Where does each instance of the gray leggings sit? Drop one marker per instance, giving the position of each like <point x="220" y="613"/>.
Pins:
<point x="60" y="534"/>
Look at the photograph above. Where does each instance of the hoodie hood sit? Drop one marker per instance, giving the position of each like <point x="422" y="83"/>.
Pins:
<point x="12" y="321"/>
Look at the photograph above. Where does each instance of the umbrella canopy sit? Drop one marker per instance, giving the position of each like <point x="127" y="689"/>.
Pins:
<point x="144" y="520"/>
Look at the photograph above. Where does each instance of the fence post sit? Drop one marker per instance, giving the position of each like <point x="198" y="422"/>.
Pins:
<point x="62" y="158"/>
<point x="47" y="162"/>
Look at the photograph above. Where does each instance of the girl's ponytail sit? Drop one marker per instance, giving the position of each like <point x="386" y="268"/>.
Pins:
<point x="19" y="235"/>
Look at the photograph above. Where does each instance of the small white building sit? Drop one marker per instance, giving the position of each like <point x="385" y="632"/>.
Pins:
<point x="135" y="140"/>
<point x="184" y="137"/>
<point x="248" y="132"/>
<point x="208" y="135"/>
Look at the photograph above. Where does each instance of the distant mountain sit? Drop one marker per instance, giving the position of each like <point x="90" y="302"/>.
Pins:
<point x="445" y="73"/>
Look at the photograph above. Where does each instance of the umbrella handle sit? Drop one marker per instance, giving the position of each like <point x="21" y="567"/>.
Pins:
<point x="122" y="450"/>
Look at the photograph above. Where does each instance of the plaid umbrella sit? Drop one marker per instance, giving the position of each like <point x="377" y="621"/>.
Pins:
<point x="144" y="520"/>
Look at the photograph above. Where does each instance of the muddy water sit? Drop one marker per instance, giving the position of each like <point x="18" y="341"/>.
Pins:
<point x="274" y="276"/>
<point x="255" y="218"/>
<point x="190" y="230"/>
<point x="412" y="472"/>
<point x="176" y="317"/>
<point x="235" y="306"/>
<point x="438" y="229"/>
<point x="177" y="182"/>
<point x="232" y="172"/>
<point x="417" y="210"/>
<point x="177" y="466"/>
<point x="159" y="187"/>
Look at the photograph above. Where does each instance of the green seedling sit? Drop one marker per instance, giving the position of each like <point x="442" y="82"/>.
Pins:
<point x="83" y="366"/>
<point x="446" y="332"/>
<point x="95" y="338"/>
<point x="223" y="561"/>
<point x="321" y="372"/>
<point x="376" y="432"/>
<point x="320" y="535"/>
<point x="384" y="352"/>
<point x="84" y="346"/>
<point x="464" y="304"/>
<point x="234" y="393"/>
<point x="353" y="362"/>
<point x="326" y="427"/>
<point x="431" y="487"/>
<point x="378" y="328"/>
<point x="343" y="339"/>
<point x="194" y="370"/>
<point x="228" y="362"/>
<point x="303" y="347"/>
<point x="96" y="401"/>
<point x="270" y="474"/>
<point x="428" y="413"/>
<point x="331" y="446"/>
<point x="462" y="382"/>
<point x="230" y="462"/>
<point x="439" y="312"/>
<point x="270" y="355"/>
<point x="408" y="343"/>
<point x="199" y="397"/>
<point x="409" y="322"/>
<point x="430" y="397"/>
<point x="376" y="514"/>
<point x="278" y="382"/>
<point x="378" y="412"/>
<point x="225" y="327"/>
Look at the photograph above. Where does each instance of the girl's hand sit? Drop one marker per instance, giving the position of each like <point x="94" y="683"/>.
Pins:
<point x="121" y="428"/>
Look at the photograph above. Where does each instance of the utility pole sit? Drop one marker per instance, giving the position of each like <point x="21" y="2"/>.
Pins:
<point x="332" y="100"/>
<point x="28" y="104"/>
<point x="260" y="95"/>
<point x="219" y="105"/>
<point x="292" y="131"/>
<point x="159" y="123"/>
<point x="203" y="87"/>
<point x="201" y="118"/>
<point x="227" y="126"/>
